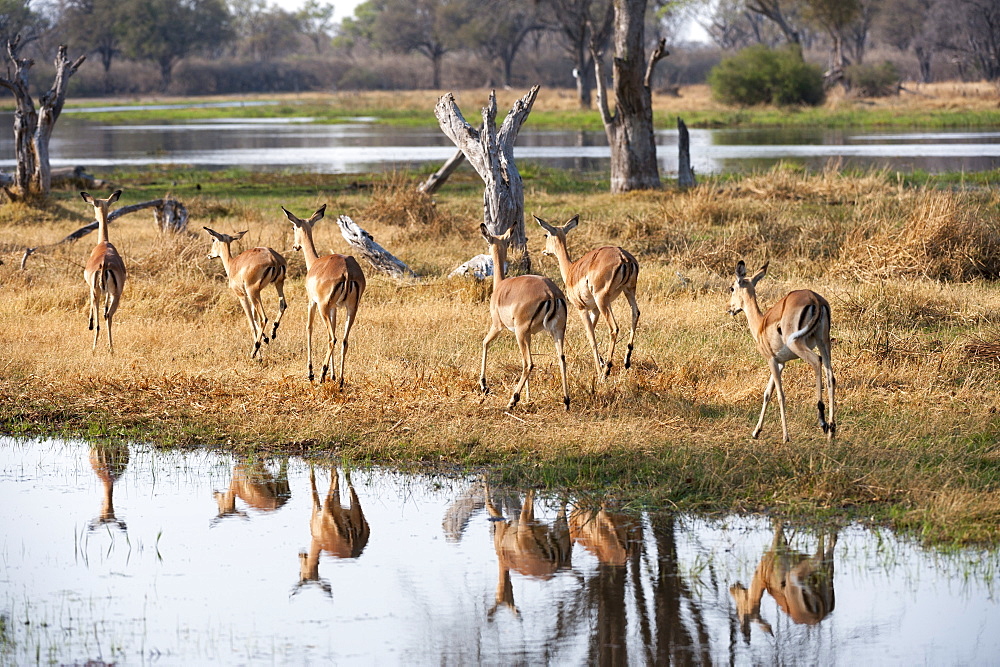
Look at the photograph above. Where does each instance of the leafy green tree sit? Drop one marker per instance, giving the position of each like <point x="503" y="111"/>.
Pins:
<point x="17" y="17"/>
<point x="759" y="75"/>
<point x="428" y="27"/>
<point x="499" y="31"/>
<point x="316" y="21"/>
<point x="167" y="31"/>
<point x="833" y="16"/>
<point x="262" y="33"/>
<point x="94" y="26"/>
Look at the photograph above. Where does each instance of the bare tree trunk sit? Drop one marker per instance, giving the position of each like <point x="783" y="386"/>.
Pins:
<point x="491" y="154"/>
<point x="685" y="174"/>
<point x="630" y="127"/>
<point x="33" y="129"/>
<point x="438" y="178"/>
<point x="381" y="259"/>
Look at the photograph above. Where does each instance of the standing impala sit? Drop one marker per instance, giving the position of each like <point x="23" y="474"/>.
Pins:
<point x="593" y="282"/>
<point x="791" y="328"/>
<point x="525" y="305"/>
<point x="105" y="271"/>
<point x="249" y="273"/>
<point x="332" y="282"/>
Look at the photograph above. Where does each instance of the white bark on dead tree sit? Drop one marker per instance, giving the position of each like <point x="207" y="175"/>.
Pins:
<point x="491" y="153"/>
<point x="33" y="128"/>
<point x="381" y="259"/>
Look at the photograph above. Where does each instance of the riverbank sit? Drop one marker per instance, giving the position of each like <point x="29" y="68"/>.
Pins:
<point x="908" y="271"/>
<point x="939" y="105"/>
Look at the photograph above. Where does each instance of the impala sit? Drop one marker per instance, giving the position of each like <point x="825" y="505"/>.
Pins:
<point x="525" y="305"/>
<point x="611" y="536"/>
<point x="593" y="282"/>
<point x="527" y="546"/>
<point x="339" y="531"/>
<point x="801" y="585"/>
<point x="249" y="273"/>
<point x="791" y="328"/>
<point x="105" y="271"/>
<point x="256" y="486"/>
<point x="332" y="282"/>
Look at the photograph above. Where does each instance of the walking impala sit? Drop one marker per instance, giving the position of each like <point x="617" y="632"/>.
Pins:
<point x="791" y="328"/>
<point x="249" y="273"/>
<point x="593" y="282"/>
<point x="332" y="282"/>
<point x="105" y="271"/>
<point x="525" y="305"/>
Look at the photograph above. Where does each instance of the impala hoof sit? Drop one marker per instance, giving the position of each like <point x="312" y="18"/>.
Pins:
<point x="513" y="401"/>
<point x="566" y="402"/>
<point x="482" y="386"/>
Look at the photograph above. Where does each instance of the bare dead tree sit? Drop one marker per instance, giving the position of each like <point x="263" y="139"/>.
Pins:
<point x="491" y="153"/>
<point x="381" y="259"/>
<point x="33" y="127"/>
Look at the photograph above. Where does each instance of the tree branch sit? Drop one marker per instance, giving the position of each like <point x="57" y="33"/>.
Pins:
<point x="658" y="54"/>
<point x="602" y="90"/>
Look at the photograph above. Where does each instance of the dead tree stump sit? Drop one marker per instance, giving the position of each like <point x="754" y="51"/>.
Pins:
<point x="491" y="153"/>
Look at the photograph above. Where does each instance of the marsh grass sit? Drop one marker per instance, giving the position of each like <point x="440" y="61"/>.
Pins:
<point x="916" y="350"/>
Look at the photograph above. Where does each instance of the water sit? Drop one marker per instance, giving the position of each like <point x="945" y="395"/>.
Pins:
<point x="361" y="146"/>
<point x="131" y="555"/>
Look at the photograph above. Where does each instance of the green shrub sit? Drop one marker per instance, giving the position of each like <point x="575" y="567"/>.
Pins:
<point x="759" y="75"/>
<point x="873" y="80"/>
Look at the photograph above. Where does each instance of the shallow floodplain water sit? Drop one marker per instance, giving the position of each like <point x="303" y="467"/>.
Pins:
<point x="127" y="554"/>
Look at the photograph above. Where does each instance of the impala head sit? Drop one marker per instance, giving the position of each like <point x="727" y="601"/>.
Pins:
<point x="101" y="206"/>
<point x="303" y="228"/>
<point x="219" y="240"/>
<point x="743" y="287"/>
<point x="556" y="236"/>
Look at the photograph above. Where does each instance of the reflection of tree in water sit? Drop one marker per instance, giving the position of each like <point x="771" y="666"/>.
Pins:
<point x="109" y="461"/>
<point x="669" y="619"/>
<point x="254" y="484"/>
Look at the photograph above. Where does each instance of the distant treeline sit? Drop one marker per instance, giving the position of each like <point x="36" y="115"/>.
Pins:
<point x="191" y="47"/>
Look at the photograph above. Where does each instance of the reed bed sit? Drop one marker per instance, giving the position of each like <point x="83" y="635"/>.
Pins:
<point x="909" y="272"/>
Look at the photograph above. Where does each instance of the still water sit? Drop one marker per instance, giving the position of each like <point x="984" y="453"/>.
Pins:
<point x="126" y="554"/>
<point x="363" y="146"/>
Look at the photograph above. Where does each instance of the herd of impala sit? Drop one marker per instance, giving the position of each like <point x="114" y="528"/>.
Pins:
<point x="792" y="328"/>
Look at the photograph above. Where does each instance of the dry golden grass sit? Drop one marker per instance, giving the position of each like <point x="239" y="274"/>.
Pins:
<point x="915" y="351"/>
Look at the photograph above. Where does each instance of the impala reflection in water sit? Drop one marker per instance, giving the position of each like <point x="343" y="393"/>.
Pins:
<point x="437" y="570"/>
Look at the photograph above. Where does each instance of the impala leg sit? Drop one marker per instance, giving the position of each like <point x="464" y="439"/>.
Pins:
<point x="561" y="356"/>
<point x="282" y="307"/>
<point x="767" y="397"/>
<point x="524" y="343"/>
<point x="331" y="338"/>
<point x="816" y="362"/>
<point x="831" y="384"/>
<point x="490" y="337"/>
<point x="310" y="314"/>
<point x="630" y="295"/>
<point x="781" y="399"/>
<point x="248" y="311"/>
<point x="260" y="315"/>
<point x="348" y="323"/>
<point x="609" y="317"/>
<point x="95" y="316"/>
<point x="588" y="327"/>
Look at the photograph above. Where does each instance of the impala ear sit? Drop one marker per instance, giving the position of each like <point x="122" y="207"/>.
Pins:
<point x="507" y="234"/>
<point x="544" y="225"/>
<point x="291" y="218"/>
<point x="239" y="235"/>
<point x="87" y="198"/>
<point x="318" y="215"/>
<point x="486" y="233"/>
<point x="741" y="269"/>
<point x="214" y="234"/>
<point x="760" y="274"/>
<point x="573" y="222"/>
<point x="114" y="196"/>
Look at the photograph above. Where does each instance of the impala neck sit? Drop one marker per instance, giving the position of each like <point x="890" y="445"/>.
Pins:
<point x="227" y="258"/>
<point x="565" y="263"/>
<point x="308" y="247"/>
<point x="755" y="318"/>
<point x="499" y="255"/>
<point x="102" y="226"/>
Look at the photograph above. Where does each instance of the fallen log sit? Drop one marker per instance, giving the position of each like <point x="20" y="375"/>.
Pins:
<point x="168" y="215"/>
<point x="479" y="267"/>
<point x="381" y="259"/>
<point x="76" y="177"/>
<point x="438" y="178"/>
